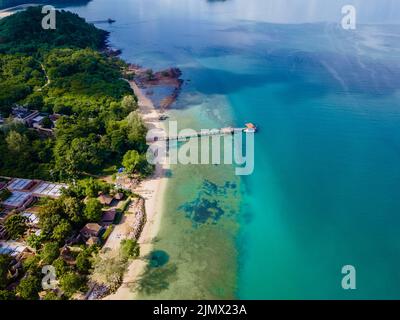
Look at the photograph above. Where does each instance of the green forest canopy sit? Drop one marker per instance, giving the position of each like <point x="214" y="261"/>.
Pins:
<point x="62" y="71"/>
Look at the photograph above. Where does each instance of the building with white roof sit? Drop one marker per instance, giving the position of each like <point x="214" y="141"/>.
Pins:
<point x="18" y="199"/>
<point x="31" y="218"/>
<point x="20" y="184"/>
<point x="24" y="192"/>
<point x="47" y="189"/>
<point x="12" y="248"/>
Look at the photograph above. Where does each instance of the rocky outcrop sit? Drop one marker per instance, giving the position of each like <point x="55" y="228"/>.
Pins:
<point x="140" y="218"/>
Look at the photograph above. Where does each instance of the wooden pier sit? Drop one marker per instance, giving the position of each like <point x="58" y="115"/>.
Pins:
<point x="202" y="133"/>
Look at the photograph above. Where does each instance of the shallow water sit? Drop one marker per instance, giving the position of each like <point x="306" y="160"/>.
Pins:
<point x="324" y="192"/>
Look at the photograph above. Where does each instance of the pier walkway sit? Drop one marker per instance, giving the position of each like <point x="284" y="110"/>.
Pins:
<point x="198" y="134"/>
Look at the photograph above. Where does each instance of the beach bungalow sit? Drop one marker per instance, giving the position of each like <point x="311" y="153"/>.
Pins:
<point x="108" y="217"/>
<point x="91" y="230"/>
<point x="105" y="199"/>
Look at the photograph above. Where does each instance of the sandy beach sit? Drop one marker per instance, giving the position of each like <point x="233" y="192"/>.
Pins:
<point x="11" y="10"/>
<point x="152" y="190"/>
<point x="4" y="14"/>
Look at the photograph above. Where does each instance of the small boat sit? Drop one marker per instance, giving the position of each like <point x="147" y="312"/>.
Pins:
<point x="250" y="128"/>
<point x="109" y="20"/>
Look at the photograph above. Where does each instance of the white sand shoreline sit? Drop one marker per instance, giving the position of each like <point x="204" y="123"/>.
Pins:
<point x="152" y="190"/>
<point x="11" y="10"/>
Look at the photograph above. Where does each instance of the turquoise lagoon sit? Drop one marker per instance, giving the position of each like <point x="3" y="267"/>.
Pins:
<point x="325" y="189"/>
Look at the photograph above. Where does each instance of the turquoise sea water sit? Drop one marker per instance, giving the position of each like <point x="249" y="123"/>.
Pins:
<point x="325" y="190"/>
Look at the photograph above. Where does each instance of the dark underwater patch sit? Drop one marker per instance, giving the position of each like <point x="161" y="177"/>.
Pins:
<point x="203" y="210"/>
<point x="206" y="207"/>
<point x="158" y="258"/>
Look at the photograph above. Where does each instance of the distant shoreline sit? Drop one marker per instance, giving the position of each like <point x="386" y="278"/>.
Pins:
<point x="20" y="6"/>
<point x="11" y="10"/>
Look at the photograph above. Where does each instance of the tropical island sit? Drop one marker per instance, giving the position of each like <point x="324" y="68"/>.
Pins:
<point x="67" y="115"/>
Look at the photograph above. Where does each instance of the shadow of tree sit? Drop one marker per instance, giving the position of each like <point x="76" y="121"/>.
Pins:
<point x="155" y="280"/>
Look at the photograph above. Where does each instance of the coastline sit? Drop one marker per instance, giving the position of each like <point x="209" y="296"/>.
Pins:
<point x="152" y="190"/>
<point x="11" y="10"/>
<point x="5" y="14"/>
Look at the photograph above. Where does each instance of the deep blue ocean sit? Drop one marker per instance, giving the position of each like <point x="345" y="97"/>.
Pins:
<point x="325" y="190"/>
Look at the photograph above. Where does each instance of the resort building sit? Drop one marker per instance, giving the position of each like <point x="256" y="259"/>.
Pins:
<point x="13" y="248"/>
<point x="31" y="218"/>
<point x="25" y="191"/>
<point x="2" y="185"/>
<point x="90" y="230"/>
<point x="37" y="122"/>
<point x="23" y="115"/>
<point x="20" y="185"/>
<point x="108" y="217"/>
<point x="105" y="199"/>
<point x="18" y="200"/>
<point x="48" y="189"/>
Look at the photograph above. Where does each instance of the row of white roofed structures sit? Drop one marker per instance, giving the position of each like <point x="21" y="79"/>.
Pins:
<point x="25" y="191"/>
<point x="22" y="195"/>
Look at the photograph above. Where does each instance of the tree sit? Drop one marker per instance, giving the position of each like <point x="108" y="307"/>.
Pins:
<point x="35" y="241"/>
<point x="17" y="142"/>
<point x="62" y="230"/>
<point x="34" y="101"/>
<point x="29" y="287"/>
<point x="129" y="104"/>
<point x="50" y="215"/>
<point x="15" y="226"/>
<point x="7" y="295"/>
<point x="93" y="210"/>
<point x="109" y="270"/>
<point x="5" y="261"/>
<point x="136" y="131"/>
<point x="73" y="209"/>
<point x="83" y="261"/>
<point x="61" y="267"/>
<point x="131" y="161"/>
<point x="129" y="249"/>
<point x="71" y="282"/>
<point x="91" y="187"/>
<point x="82" y="155"/>
<point x="4" y="194"/>
<point x="46" y="123"/>
<point x="50" y="252"/>
<point x="32" y="264"/>
<point x="51" y="295"/>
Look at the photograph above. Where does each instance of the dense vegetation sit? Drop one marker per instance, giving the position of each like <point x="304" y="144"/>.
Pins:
<point x="19" y="76"/>
<point x="23" y="32"/>
<point x="64" y="74"/>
